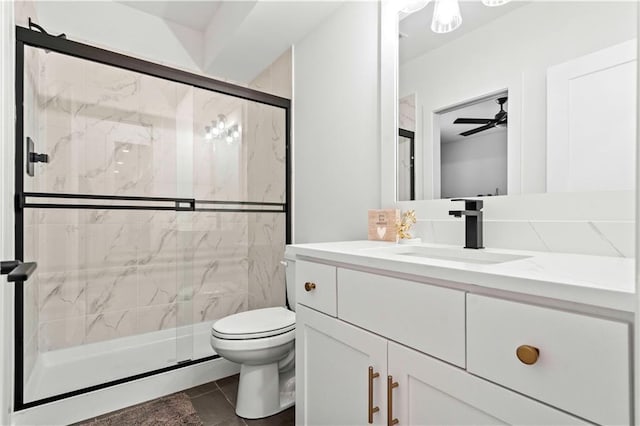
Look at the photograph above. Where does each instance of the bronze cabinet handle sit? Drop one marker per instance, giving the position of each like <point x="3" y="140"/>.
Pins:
<point x="372" y="409"/>
<point x="528" y="354"/>
<point x="390" y="386"/>
<point x="309" y="286"/>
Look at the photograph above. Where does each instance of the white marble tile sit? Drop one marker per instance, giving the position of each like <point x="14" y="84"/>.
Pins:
<point x="266" y="277"/>
<point x="620" y="235"/>
<point x="210" y="307"/>
<point x="31" y="313"/>
<point x="51" y="238"/>
<point x="109" y="245"/>
<point x="61" y="295"/>
<point x="61" y="333"/>
<point x="266" y="250"/>
<point x="265" y="139"/>
<point x="519" y="235"/>
<point x="62" y="142"/>
<point x="30" y="356"/>
<point x="441" y="231"/>
<point x="157" y="284"/>
<point x="574" y="237"/>
<point x="155" y="318"/>
<point x="110" y="325"/>
<point x="113" y="289"/>
<point x="157" y="243"/>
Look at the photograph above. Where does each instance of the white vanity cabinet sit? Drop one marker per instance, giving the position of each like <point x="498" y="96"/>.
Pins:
<point x="434" y="393"/>
<point x="399" y="349"/>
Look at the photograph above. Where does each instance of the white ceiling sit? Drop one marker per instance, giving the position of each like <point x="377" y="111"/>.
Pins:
<point x="193" y="14"/>
<point x="417" y="26"/>
<point x="450" y="132"/>
<point x="242" y="38"/>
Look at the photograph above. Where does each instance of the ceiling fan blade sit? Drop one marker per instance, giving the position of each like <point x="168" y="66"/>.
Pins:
<point x="478" y="130"/>
<point x="473" y="120"/>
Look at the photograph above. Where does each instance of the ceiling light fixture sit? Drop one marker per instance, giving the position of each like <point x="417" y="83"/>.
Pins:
<point x="494" y="3"/>
<point x="446" y="16"/>
<point x="222" y="130"/>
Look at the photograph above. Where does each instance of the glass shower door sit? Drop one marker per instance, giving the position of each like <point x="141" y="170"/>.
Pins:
<point x="158" y="208"/>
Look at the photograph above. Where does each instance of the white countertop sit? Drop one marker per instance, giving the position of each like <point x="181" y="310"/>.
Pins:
<point x="606" y="282"/>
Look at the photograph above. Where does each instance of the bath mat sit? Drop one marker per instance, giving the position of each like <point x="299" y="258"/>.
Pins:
<point x="175" y="409"/>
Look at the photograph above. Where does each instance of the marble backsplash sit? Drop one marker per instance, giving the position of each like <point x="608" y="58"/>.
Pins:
<point x="596" y="223"/>
<point x="105" y="274"/>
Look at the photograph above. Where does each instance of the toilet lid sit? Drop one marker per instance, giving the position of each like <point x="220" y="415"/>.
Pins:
<point x="255" y="324"/>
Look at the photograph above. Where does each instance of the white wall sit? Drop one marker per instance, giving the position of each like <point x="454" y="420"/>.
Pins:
<point x="513" y="52"/>
<point x="474" y="165"/>
<point x="336" y="126"/>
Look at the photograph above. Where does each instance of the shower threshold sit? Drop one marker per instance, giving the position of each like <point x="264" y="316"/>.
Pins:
<point x="78" y="367"/>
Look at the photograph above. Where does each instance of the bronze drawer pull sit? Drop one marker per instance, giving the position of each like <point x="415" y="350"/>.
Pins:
<point x="309" y="286"/>
<point x="390" y="386"/>
<point x="528" y="354"/>
<point x="372" y="409"/>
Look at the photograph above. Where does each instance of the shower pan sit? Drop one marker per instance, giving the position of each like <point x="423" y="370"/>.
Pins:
<point x="145" y="223"/>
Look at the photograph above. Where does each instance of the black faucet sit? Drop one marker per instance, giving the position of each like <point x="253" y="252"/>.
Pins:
<point x="473" y="222"/>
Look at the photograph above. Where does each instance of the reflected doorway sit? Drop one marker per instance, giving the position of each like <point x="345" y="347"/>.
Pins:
<point x="406" y="165"/>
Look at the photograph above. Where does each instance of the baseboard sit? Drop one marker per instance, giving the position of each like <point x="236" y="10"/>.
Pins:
<point x="92" y="404"/>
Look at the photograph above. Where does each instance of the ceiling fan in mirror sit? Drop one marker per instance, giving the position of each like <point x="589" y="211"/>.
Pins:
<point x="499" y="120"/>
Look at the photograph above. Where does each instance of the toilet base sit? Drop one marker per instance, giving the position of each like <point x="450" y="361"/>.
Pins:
<point x="264" y="390"/>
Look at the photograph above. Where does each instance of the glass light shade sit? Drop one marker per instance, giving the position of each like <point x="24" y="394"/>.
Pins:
<point x="446" y="16"/>
<point x="412" y="6"/>
<point x="494" y="3"/>
<point x="229" y="139"/>
<point x="236" y="134"/>
<point x="221" y="121"/>
<point x="215" y="131"/>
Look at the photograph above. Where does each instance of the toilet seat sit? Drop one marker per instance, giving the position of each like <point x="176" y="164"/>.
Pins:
<point x="255" y="324"/>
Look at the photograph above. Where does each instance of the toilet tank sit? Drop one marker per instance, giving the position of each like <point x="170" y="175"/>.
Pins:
<point x="290" y="279"/>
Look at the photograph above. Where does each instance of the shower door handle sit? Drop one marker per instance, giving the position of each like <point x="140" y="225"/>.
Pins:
<point x="16" y="270"/>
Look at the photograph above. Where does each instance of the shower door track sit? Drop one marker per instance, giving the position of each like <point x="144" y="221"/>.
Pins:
<point x="26" y="37"/>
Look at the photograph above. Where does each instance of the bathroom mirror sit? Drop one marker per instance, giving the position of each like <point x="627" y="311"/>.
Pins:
<point x="526" y="97"/>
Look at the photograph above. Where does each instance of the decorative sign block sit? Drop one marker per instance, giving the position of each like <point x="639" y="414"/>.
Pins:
<point x="382" y="225"/>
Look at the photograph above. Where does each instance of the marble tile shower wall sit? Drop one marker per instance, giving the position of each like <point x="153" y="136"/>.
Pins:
<point x="105" y="274"/>
<point x="31" y="311"/>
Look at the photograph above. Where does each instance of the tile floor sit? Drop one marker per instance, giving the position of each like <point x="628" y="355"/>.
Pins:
<point x="215" y="404"/>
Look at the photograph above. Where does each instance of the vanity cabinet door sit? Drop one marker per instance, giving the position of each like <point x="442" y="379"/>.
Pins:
<point x="431" y="392"/>
<point x="332" y="372"/>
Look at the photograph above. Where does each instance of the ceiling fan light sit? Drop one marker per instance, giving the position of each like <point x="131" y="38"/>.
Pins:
<point x="494" y="3"/>
<point x="412" y="6"/>
<point x="446" y="16"/>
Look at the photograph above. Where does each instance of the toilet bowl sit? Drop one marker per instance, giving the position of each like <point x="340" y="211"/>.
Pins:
<point x="262" y="342"/>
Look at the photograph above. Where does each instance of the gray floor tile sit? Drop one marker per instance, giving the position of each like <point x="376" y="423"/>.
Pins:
<point x="230" y="379"/>
<point x="201" y="390"/>
<point x="230" y="390"/>
<point x="213" y="408"/>
<point x="285" y="418"/>
<point x="236" y="421"/>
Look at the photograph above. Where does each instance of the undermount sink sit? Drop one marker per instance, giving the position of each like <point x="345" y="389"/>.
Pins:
<point x="452" y="254"/>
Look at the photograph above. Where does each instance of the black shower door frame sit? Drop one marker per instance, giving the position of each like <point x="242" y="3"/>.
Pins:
<point x="32" y="38"/>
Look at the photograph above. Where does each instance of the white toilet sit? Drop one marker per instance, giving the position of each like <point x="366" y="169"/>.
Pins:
<point x="262" y="342"/>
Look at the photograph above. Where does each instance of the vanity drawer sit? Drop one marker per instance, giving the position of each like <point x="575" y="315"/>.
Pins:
<point x="582" y="366"/>
<point x="424" y="317"/>
<point x="316" y="286"/>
